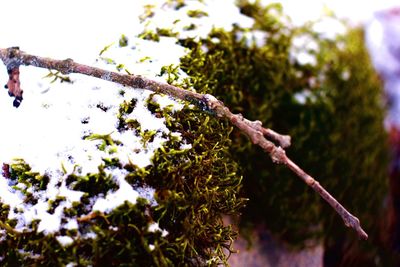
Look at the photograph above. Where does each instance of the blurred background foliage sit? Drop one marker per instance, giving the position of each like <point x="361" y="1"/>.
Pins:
<point x="331" y="106"/>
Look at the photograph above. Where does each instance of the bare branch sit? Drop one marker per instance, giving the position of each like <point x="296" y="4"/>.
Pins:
<point x="13" y="58"/>
<point x="349" y="219"/>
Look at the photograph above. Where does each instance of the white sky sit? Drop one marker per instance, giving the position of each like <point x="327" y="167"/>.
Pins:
<point x="356" y="11"/>
<point x="76" y="26"/>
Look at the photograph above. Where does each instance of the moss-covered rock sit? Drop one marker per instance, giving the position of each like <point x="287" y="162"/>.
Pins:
<point x="329" y="103"/>
<point x="193" y="188"/>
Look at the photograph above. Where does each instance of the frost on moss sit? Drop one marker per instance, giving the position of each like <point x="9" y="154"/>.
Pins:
<point x="194" y="185"/>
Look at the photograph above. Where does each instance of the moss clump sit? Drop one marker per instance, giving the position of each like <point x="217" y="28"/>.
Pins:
<point x="182" y="225"/>
<point x="92" y="184"/>
<point x="123" y="41"/>
<point x="201" y="185"/>
<point x="150" y="35"/>
<point x="20" y="172"/>
<point x="330" y="108"/>
<point x="196" y="13"/>
<point x="120" y="238"/>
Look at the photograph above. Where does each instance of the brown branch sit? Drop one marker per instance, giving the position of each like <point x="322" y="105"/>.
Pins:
<point x="349" y="219"/>
<point x="13" y="57"/>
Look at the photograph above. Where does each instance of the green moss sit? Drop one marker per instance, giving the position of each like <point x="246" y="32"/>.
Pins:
<point x="57" y="76"/>
<point x="92" y="184"/>
<point x="159" y="32"/>
<point x="194" y="188"/>
<point x="196" y="13"/>
<point x="123" y="41"/>
<point x="148" y="12"/>
<point x="337" y="133"/>
<point x="203" y="177"/>
<point x="21" y="172"/>
<point x="172" y="73"/>
<point x="190" y="27"/>
<point x="166" y="32"/>
<point x="122" y="238"/>
<point x="150" y="35"/>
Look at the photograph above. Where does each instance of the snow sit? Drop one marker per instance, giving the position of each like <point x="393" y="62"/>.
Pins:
<point x="50" y="127"/>
<point x="154" y="227"/>
<point x="71" y="224"/>
<point x="48" y="133"/>
<point x="64" y="240"/>
<point x="305" y="58"/>
<point x="147" y="192"/>
<point x="49" y="223"/>
<point x="329" y="28"/>
<point x="90" y="235"/>
<point x="220" y="14"/>
<point x="117" y="198"/>
<point x="165" y="102"/>
<point x="8" y="195"/>
<point x="145" y="117"/>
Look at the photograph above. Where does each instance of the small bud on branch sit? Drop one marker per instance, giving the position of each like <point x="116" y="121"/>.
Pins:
<point x="208" y="103"/>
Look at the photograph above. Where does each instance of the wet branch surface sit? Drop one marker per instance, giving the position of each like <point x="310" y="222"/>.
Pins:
<point x="270" y="141"/>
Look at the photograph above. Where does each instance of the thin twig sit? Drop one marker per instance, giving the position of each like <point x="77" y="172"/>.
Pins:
<point x="349" y="219"/>
<point x="13" y="57"/>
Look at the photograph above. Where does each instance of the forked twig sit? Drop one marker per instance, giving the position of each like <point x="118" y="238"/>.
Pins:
<point x="13" y="58"/>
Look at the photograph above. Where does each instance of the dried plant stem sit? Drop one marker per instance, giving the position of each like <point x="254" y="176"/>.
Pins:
<point x="253" y="129"/>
